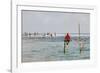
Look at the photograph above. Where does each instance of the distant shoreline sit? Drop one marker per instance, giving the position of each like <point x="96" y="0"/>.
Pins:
<point x="59" y="35"/>
<point x="57" y="38"/>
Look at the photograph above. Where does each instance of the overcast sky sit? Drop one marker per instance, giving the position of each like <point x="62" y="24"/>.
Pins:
<point x="59" y="22"/>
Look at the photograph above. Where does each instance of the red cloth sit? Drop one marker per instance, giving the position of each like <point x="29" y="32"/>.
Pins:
<point x="67" y="37"/>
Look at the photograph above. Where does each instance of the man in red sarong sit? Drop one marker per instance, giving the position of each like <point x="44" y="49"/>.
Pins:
<point x="66" y="41"/>
<point x="67" y="38"/>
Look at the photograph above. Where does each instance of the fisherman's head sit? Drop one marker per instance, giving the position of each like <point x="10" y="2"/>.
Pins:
<point x="67" y="33"/>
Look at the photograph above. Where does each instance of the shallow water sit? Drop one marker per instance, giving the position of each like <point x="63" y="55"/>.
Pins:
<point x="52" y="49"/>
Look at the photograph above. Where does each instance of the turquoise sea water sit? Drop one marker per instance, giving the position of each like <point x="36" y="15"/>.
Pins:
<point x="52" y="49"/>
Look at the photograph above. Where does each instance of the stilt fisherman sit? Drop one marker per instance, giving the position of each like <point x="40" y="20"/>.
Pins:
<point x="66" y="41"/>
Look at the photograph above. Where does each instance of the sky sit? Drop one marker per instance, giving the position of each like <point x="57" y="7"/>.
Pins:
<point x="59" y="22"/>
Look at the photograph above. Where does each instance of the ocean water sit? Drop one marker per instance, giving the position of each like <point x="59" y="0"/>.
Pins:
<point x="52" y="49"/>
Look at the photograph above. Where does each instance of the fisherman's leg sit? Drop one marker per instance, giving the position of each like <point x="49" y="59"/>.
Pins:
<point x="64" y="46"/>
<point x="67" y="44"/>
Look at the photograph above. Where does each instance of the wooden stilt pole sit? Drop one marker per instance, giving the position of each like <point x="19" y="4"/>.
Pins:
<point x="64" y="47"/>
<point x="79" y="31"/>
<point x="79" y="37"/>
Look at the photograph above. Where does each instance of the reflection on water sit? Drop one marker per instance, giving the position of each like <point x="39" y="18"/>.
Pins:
<point x="52" y="49"/>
